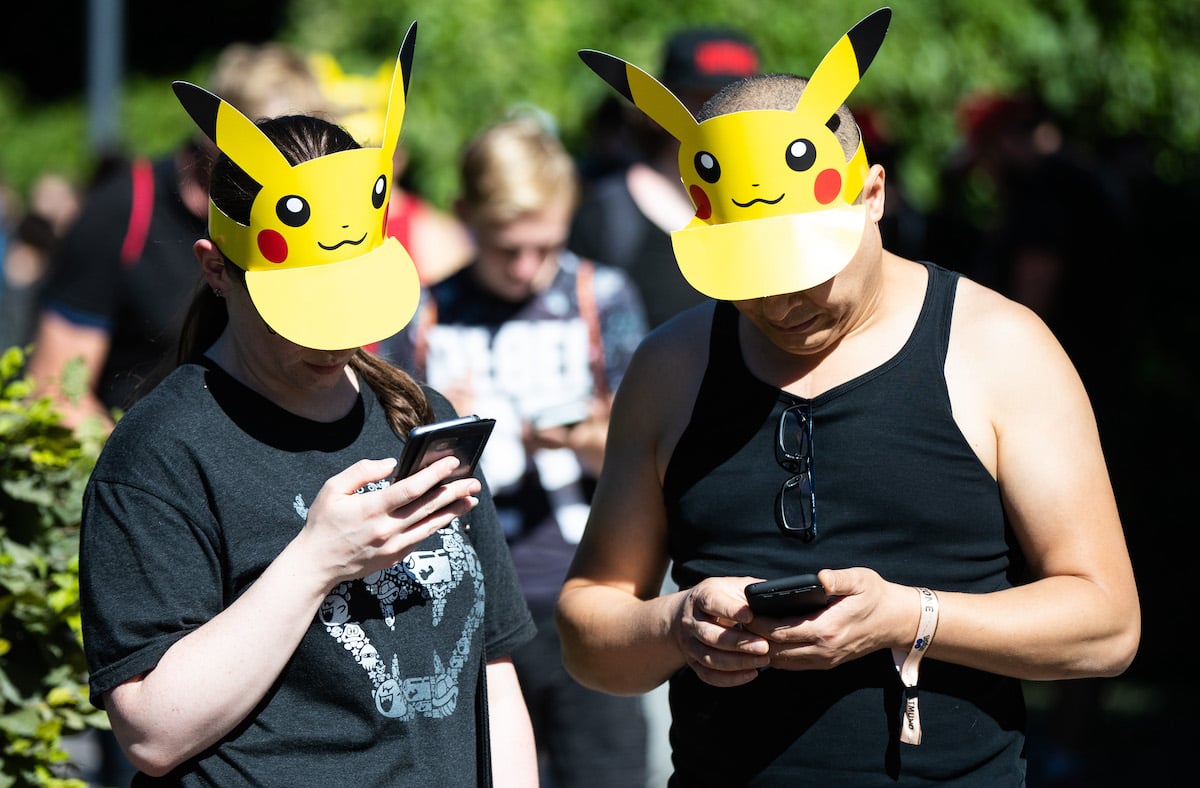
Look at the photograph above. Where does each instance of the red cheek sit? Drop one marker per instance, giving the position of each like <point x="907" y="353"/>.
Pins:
<point x="828" y="186"/>
<point x="700" y="200"/>
<point x="272" y="246"/>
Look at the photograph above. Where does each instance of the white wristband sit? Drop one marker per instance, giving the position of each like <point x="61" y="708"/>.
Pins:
<point x="908" y="666"/>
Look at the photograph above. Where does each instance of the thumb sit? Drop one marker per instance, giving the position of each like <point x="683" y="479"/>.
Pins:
<point x="837" y="582"/>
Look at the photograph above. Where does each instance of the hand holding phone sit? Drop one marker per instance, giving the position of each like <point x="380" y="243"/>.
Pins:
<point x="463" y="438"/>
<point x="796" y="595"/>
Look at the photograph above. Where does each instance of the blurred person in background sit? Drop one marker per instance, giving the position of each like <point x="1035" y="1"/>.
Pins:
<point x="537" y="338"/>
<point x="53" y="203"/>
<point x="120" y="278"/>
<point x="438" y="241"/>
<point x="626" y="216"/>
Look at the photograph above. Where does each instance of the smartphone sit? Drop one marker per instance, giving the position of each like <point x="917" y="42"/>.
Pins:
<point x="567" y="414"/>
<point x="463" y="437"/>
<point x="796" y="595"/>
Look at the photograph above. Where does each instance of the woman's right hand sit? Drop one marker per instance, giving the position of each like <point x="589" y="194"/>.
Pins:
<point x="351" y="534"/>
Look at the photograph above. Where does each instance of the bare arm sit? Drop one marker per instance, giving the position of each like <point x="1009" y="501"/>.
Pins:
<point x="618" y="634"/>
<point x="514" y="755"/>
<point x="1080" y="617"/>
<point x="57" y="342"/>
<point x="208" y="681"/>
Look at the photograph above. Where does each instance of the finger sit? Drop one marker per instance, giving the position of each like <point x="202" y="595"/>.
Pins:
<point x="360" y="474"/>
<point x="433" y="501"/>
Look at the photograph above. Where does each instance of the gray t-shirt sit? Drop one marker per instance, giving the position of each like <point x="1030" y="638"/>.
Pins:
<point x="199" y="487"/>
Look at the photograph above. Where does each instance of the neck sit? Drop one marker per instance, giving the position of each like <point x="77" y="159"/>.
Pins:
<point x="324" y="404"/>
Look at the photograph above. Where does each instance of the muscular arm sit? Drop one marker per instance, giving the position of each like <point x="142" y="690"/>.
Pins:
<point x="618" y="634"/>
<point x="1080" y="616"/>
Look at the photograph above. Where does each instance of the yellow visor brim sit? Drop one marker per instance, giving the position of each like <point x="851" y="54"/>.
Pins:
<point x="341" y="305"/>
<point x="771" y="256"/>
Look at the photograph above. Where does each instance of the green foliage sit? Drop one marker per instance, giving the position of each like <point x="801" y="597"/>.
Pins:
<point x="43" y="677"/>
<point x="1110" y="68"/>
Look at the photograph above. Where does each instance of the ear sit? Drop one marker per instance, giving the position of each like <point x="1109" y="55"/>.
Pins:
<point x="874" y="192"/>
<point x="212" y="264"/>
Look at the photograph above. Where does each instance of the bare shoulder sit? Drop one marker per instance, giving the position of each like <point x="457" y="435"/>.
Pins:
<point x="1005" y="370"/>
<point x="986" y="322"/>
<point x="656" y="395"/>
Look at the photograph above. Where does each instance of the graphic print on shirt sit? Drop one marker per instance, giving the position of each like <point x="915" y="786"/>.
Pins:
<point x="514" y="372"/>
<point x="427" y="575"/>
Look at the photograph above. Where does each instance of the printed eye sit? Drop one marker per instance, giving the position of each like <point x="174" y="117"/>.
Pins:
<point x="801" y="155"/>
<point x="293" y="210"/>
<point x="707" y="167"/>
<point x="379" y="193"/>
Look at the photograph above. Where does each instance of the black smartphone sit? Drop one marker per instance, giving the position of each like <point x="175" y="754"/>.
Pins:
<point x="463" y="437"/>
<point x="796" y="595"/>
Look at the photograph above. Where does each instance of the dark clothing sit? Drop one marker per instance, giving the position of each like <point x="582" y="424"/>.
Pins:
<point x="609" y="226"/>
<point x="897" y="489"/>
<point x="201" y="485"/>
<point x="140" y="305"/>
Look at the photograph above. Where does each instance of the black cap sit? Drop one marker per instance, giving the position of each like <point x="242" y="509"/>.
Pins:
<point x="708" y="58"/>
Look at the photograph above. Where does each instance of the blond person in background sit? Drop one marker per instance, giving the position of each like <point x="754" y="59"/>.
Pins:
<point x="537" y="338"/>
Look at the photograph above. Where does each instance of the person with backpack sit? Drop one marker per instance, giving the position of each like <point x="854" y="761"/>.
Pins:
<point x="120" y="278"/>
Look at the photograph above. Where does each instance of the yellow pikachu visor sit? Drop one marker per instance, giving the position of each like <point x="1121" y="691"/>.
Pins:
<point x="319" y="266"/>
<point x="774" y="190"/>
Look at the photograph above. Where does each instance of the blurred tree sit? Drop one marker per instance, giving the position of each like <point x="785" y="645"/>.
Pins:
<point x="1113" y="68"/>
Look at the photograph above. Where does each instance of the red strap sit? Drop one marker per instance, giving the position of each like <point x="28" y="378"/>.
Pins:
<point x="139" y="212"/>
<point x="586" y="295"/>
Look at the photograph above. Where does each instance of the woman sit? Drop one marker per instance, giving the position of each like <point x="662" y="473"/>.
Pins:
<point x="261" y="605"/>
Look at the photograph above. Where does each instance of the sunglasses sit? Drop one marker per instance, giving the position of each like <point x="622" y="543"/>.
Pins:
<point x="796" y="504"/>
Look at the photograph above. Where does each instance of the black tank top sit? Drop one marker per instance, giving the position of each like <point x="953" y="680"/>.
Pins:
<point x="898" y="489"/>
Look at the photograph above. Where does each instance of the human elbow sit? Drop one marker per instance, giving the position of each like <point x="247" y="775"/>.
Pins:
<point x="152" y="755"/>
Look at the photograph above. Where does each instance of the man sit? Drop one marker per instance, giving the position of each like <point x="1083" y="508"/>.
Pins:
<point x="919" y="441"/>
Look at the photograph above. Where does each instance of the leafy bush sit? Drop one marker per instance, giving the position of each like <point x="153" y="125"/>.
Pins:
<point x="43" y="677"/>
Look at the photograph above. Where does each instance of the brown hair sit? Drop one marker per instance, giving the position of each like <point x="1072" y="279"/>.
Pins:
<point x="299" y="138"/>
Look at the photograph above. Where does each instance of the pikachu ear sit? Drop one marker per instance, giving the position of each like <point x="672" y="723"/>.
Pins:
<point x="647" y="93"/>
<point x="232" y="132"/>
<point x="398" y="94"/>
<point x="842" y="68"/>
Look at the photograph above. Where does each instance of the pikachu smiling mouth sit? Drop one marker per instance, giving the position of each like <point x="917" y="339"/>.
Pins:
<point x="762" y="200"/>
<point x="342" y="243"/>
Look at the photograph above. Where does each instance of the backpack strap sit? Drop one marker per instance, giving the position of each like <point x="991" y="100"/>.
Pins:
<point x="142" y="206"/>
<point x="585" y="294"/>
